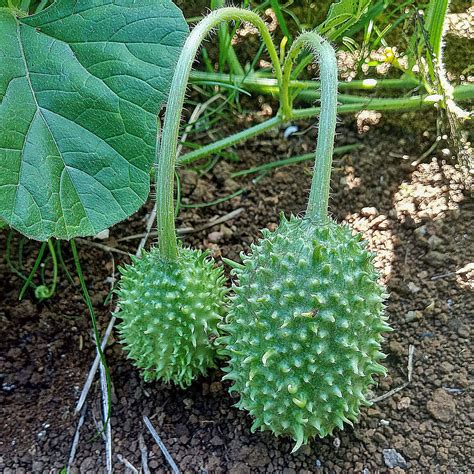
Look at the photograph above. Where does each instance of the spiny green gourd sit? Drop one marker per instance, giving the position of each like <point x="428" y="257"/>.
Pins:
<point x="306" y="320"/>
<point x="304" y="329"/>
<point x="170" y="310"/>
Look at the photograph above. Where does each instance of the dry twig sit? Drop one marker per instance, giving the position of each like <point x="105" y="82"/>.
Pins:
<point x="160" y="444"/>
<point x="75" y="441"/>
<point x="143" y="454"/>
<point x="106" y="420"/>
<point x="127" y="464"/>
<point x="411" y="353"/>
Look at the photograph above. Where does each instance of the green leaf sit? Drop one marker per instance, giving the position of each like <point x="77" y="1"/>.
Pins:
<point x="341" y="16"/>
<point x="81" y="84"/>
<point x="435" y="21"/>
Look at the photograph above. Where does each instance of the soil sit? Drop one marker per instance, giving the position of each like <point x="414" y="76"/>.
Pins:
<point x="414" y="210"/>
<point x="416" y="217"/>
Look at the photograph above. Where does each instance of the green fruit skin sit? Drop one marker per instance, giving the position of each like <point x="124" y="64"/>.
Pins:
<point x="304" y="329"/>
<point x="170" y="311"/>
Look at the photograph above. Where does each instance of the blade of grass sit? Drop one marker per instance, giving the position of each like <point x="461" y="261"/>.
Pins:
<point x="39" y="258"/>
<point x="8" y="254"/>
<point x="275" y="4"/>
<point x="435" y="23"/>
<point x="217" y="201"/>
<point x="90" y="307"/>
<point x="291" y="161"/>
<point x="226" y="50"/>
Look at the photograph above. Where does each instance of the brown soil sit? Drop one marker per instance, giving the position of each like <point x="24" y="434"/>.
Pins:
<point x="417" y="219"/>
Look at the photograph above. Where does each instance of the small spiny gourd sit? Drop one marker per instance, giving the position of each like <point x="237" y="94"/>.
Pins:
<point x="170" y="311"/>
<point x="304" y="329"/>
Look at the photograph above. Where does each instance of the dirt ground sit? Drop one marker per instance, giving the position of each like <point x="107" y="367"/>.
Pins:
<point x="414" y="209"/>
<point x="418" y="219"/>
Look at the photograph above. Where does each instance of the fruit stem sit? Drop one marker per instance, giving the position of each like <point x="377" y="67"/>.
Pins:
<point x="166" y="159"/>
<point x="317" y="208"/>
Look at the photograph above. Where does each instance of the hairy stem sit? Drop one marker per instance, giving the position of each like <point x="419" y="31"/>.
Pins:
<point x="167" y="154"/>
<point x="319" y="196"/>
<point x="266" y="84"/>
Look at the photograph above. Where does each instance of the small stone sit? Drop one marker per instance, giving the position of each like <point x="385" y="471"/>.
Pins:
<point x="463" y="331"/>
<point x="430" y="307"/>
<point x="396" y="348"/>
<point x="393" y="459"/>
<point x="215" y="236"/>
<point x="421" y="233"/>
<point x="231" y="185"/>
<point x="413" y="316"/>
<point x="403" y="403"/>
<point x="442" y="406"/>
<point x="217" y="441"/>
<point x="188" y="403"/>
<point x="226" y="231"/>
<point x="215" y="387"/>
<point x="434" y="242"/>
<point x="88" y="465"/>
<point x="380" y="222"/>
<point x="435" y="258"/>
<point x="369" y="211"/>
<point x="413" y="449"/>
<point x="189" y="177"/>
<point x="429" y="450"/>
<point x="305" y="450"/>
<point x="379" y="438"/>
<point x="413" y="288"/>
<point x="446" y="367"/>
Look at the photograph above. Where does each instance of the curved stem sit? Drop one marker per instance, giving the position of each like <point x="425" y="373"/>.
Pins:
<point x="317" y="208"/>
<point x="167" y="154"/>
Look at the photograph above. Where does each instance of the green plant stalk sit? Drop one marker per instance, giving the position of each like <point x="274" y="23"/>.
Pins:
<point x="318" y="202"/>
<point x="266" y="84"/>
<point x="291" y="161"/>
<point x="461" y="93"/>
<point x="229" y="141"/>
<point x="167" y="153"/>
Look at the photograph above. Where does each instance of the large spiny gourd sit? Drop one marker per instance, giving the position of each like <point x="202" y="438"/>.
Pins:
<point x="304" y="329"/>
<point x="170" y="311"/>
<point x="306" y="321"/>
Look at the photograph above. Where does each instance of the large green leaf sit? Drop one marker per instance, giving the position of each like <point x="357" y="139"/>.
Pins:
<point x="81" y="84"/>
